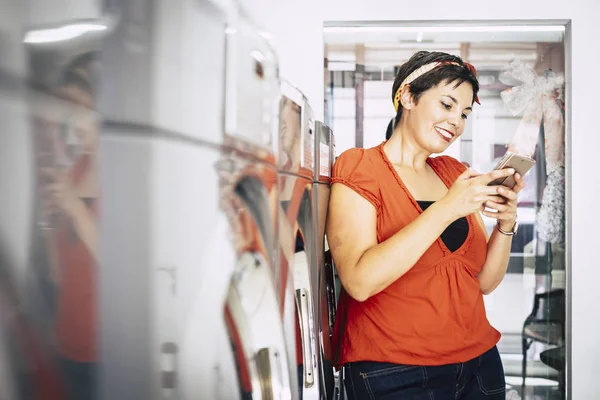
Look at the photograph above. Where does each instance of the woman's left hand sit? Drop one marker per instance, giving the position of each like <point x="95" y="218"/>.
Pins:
<point x="506" y="211"/>
<point x="59" y="192"/>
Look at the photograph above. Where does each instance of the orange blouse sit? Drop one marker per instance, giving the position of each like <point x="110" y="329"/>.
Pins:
<point x="434" y="314"/>
<point x="77" y="316"/>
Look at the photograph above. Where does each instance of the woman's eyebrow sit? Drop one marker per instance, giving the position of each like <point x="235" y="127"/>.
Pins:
<point x="456" y="101"/>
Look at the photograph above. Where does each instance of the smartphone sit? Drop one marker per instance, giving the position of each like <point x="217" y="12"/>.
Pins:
<point x="521" y="164"/>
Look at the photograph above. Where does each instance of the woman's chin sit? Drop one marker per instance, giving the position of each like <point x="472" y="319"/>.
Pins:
<point x="438" y="147"/>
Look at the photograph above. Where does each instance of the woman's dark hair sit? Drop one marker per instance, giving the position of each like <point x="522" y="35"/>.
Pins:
<point x="448" y="72"/>
<point x="390" y="129"/>
<point x="73" y="73"/>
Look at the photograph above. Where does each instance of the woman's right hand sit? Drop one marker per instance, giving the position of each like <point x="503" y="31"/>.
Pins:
<point x="470" y="191"/>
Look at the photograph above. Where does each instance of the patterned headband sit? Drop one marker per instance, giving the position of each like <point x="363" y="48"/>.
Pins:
<point x="422" y="71"/>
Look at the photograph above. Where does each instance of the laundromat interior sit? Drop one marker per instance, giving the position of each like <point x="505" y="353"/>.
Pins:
<point x="166" y="170"/>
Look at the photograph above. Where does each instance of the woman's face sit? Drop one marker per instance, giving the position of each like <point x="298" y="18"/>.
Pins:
<point x="439" y="116"/>
<point x="81" y="118"/>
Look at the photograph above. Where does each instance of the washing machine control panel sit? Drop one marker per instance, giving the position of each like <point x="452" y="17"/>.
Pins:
<point x="296" y="132"/>
<point x="323" y="155"/>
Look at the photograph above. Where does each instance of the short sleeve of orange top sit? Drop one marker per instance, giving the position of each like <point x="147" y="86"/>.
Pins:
<point x="434" y="314"/>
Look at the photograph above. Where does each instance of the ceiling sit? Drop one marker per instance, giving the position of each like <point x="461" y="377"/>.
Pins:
<point x="401" y="33"/>
<point x="489" y="47"/>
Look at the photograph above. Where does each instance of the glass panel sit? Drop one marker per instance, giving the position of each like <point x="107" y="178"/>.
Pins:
<point x="521" y="75"/>
<point x="341" y="116"/>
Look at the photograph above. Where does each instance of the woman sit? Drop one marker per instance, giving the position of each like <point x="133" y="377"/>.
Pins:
<point x="71" y="190"/>
<point x="411" y="250"/>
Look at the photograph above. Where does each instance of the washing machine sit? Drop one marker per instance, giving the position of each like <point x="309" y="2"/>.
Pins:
<point x="204" y="173"/>
<point x="297" y="235"/>
<point x="172" y="283"/>
<point x="49" y="198"/>
<point x="180" y="286"/>
<point x="324" y="150"/>
<point x="253" y="306"/>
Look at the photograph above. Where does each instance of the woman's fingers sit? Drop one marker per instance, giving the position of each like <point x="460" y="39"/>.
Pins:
<point x="503" y="208"/>
<point x="519" y="183"/>
<point x="469" y="173"/>
<point x="50" y="173"/>
<point x="488" y="190"/>
<point x="52" y="189"/>
<point x="493" y="175"/>
<point x="491" y="214"/>
<point x="507" y="193"/>
<point x="502" y="216"/>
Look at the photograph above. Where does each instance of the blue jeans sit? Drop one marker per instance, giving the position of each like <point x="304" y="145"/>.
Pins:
<point x="479" y="378"/>
<point x="81" y="379"/>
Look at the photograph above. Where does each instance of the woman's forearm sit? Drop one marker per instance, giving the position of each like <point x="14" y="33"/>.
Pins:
<point x="84" y="223"/>
<point x="383" y="264"/>
<point x="496" y="262"/>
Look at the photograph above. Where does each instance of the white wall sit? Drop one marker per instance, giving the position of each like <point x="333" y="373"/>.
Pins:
<point x="15" y="170"/>
<point x="297" y="29"/>
<point x="44" y="12"/>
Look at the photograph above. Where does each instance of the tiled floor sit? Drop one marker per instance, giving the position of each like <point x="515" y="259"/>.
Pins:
<point x="507" y="308"/>
<point x="539" y="392"/>
<point x="542" y="387"/>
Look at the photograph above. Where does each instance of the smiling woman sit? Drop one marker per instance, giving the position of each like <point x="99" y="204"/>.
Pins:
<point x="411" y="250"/>
<point x="424" y="71"/>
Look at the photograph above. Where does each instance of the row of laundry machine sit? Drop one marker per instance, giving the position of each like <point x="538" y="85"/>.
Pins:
<point x="165" y="192"/>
